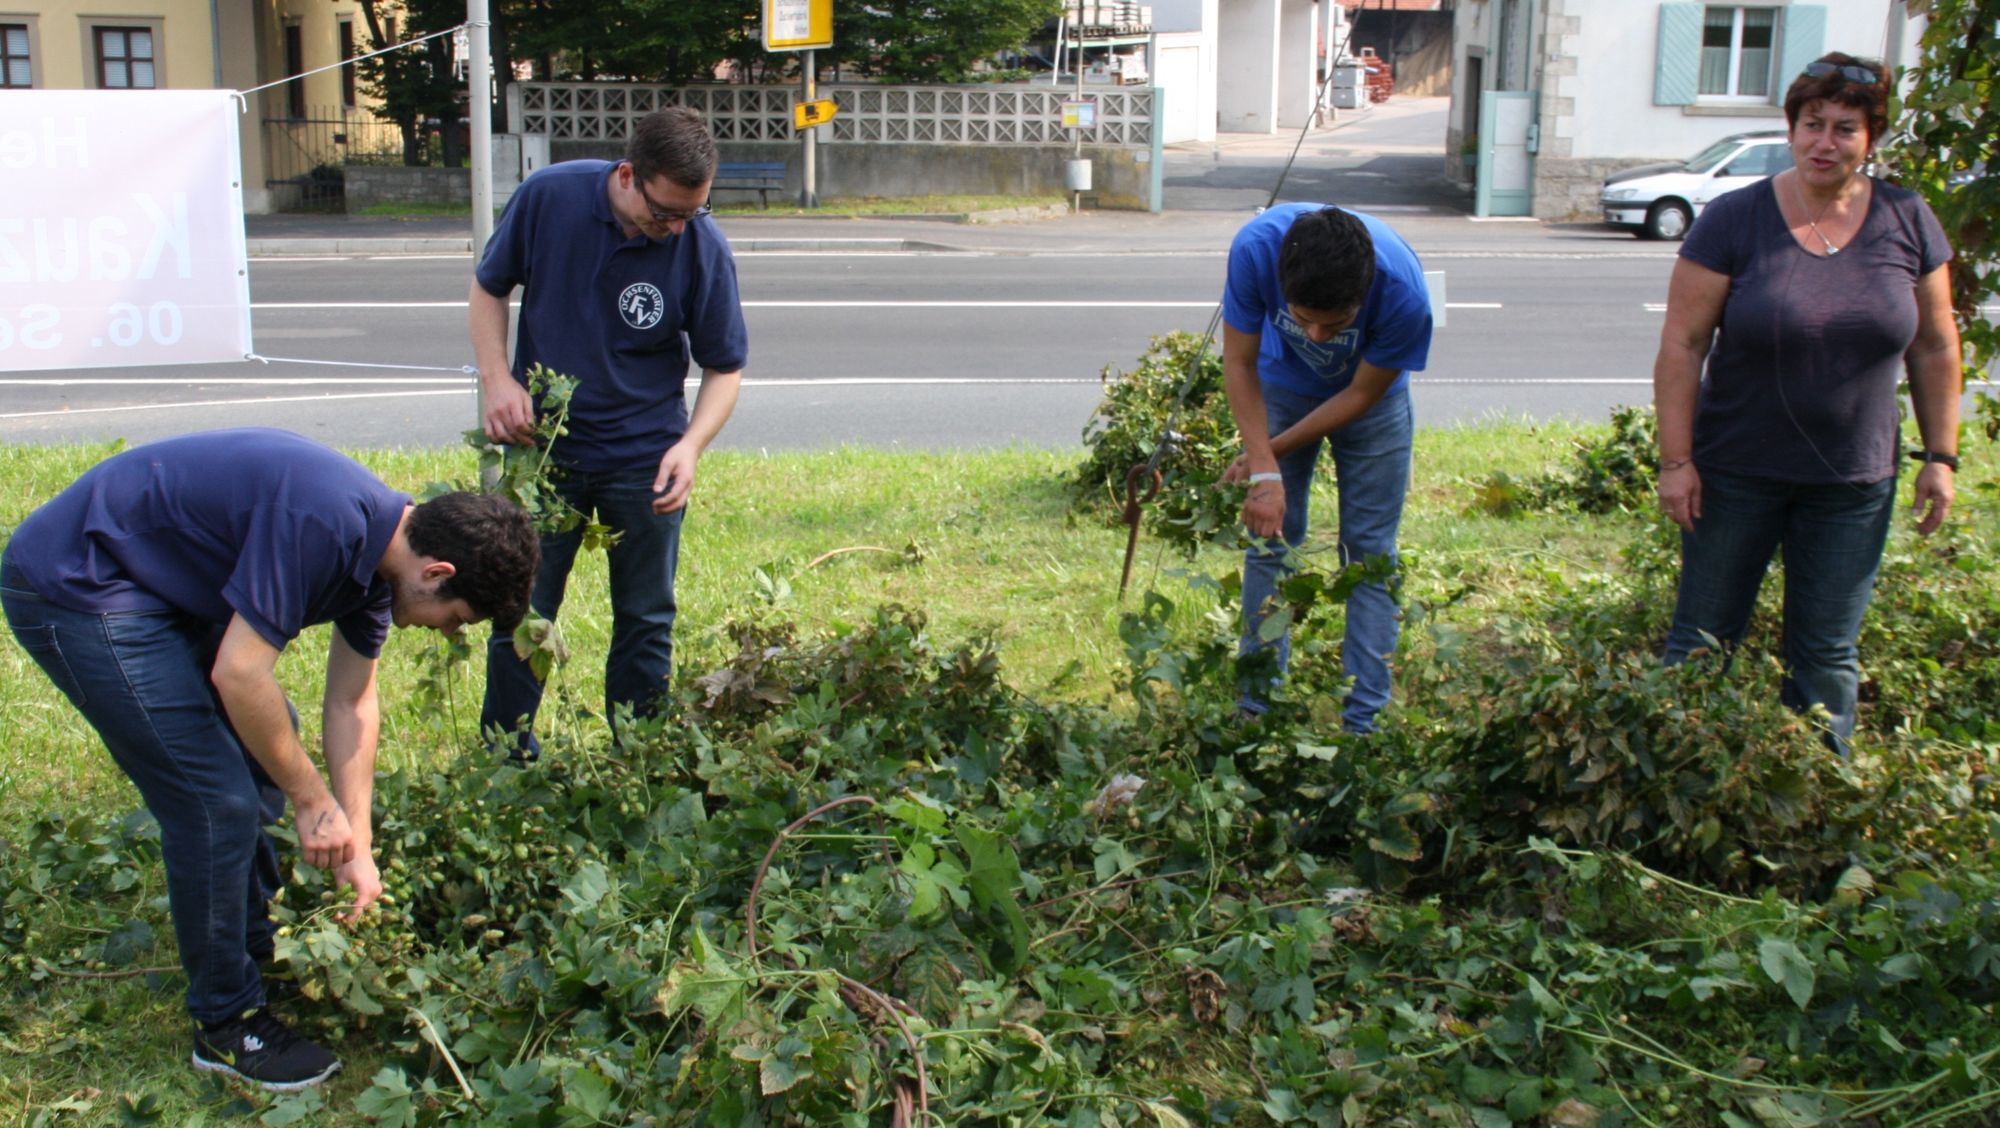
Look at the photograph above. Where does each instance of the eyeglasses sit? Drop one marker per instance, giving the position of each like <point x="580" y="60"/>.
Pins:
<point x="665" y="215"/>
<point x="1852" y="74"/>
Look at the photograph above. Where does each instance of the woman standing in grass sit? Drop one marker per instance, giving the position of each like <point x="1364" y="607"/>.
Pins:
<point x="1806" y="297"/>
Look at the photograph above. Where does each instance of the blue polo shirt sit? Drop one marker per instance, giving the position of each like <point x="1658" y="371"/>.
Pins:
<point x="1393" y="329"/>
<point x="622" y="316"/>
<point x="255" y="522"/>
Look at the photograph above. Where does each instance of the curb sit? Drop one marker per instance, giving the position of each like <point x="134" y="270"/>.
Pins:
<point x="284" y="245"/>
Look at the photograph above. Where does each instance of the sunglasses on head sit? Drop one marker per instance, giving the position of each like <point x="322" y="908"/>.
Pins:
<point x="1852" y="74"/>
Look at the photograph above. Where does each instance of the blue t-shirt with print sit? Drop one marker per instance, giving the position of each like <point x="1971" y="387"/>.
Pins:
<point x="620" y="315"/>
<point x="253" y="522"/>
<point x="1393" y="329"/>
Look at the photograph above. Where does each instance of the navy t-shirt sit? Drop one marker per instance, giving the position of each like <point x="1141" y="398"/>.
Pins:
<point x="621" y="316"/>
<point x="1801" y="381"/>
<point x="1393" y="329"/>
<point x="259" y="523"/>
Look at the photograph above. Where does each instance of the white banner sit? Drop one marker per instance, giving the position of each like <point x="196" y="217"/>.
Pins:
<point x="121" y="229"/>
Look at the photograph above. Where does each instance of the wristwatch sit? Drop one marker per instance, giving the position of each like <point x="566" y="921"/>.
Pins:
<point x="1950" y="460"/>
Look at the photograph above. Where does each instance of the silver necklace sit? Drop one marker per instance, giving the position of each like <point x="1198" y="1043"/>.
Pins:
<point x="1813" y="222"/>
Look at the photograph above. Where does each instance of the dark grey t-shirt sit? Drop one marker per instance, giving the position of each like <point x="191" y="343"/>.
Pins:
<point x="1801" y="383"/>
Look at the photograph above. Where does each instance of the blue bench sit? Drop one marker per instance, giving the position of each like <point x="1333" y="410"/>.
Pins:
<point x="757" y="176"/>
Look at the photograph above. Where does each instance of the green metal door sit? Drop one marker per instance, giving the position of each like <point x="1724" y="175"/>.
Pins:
<point x="1506" y="153"/>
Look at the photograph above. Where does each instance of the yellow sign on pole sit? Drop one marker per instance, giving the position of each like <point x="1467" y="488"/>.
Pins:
<point x="798" y="25"/>
<point x="805" y="115"/>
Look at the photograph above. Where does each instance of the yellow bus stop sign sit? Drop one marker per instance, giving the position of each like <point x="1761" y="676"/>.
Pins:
<point x="797" y="25"/>
<point x="805" y="115"/>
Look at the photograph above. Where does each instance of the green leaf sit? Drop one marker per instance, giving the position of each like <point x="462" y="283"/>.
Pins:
<point x="293" y="1107"/>
<point x="588" y="1092"/>
<point x="587" y="888"/>
<point x="1412" y="803"/>
<point x="1901" y="968"/>
<point x="777" y="1075"/>
<point x="145" y="1110"/>
<point x="1283" y="1107"/>
<point x="388" y="1100"/>
<point x="1394" y="839"/>
<point x="1785" y="964"/>
<point x="1855" y="881"/>
<point x="127" y="942"/>
<point x="1524" y="1100"/>
<point x="993" y="874"/>
<point x="1490" y="1117"/>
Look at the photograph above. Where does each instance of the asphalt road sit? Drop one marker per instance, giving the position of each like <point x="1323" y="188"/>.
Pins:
<point x="930" y="335"/>
<point x="923" y="349"/>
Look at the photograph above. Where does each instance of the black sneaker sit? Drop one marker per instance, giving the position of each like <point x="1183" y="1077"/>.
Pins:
<point x="263" y="1051"/>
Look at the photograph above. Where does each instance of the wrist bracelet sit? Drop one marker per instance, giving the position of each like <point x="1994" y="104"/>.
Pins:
<point x="1950" y="460"/>
<point x="1674" y="464"/>
<point x="1266" y="476"/>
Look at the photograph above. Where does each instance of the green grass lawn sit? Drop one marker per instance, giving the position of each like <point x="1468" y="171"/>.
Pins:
<point x="996" y="548"/>
<point x="986" y="544"/>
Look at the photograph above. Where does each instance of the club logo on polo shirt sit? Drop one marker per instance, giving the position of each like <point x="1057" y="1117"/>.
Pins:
<point x="642" y="305"/>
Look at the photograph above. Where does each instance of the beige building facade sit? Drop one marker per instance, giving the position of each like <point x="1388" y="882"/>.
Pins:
<point x="210" y="44"/>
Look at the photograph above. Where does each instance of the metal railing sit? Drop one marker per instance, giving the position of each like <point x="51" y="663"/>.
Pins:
<point x="303" y="156"/>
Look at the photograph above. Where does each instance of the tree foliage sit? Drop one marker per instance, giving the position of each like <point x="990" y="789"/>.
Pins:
<point x="931" y="40"/>
<point x="1947" y="125"/>
<point x="416" y="84"/>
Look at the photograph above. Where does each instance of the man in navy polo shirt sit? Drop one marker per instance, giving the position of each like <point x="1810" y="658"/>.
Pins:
<point x="1325" y="313"/>
<point x="624" y="278"/>
<point x="157" y="592"/>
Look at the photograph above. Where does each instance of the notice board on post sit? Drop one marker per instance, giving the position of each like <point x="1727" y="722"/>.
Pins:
<point x="798" y="25"/>
<point x="121" y="240"/>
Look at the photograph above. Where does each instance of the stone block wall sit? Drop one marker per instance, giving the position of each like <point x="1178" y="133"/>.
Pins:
<point x="368" y="185"/>
<point x="1568" y="187"/>
<point x="1121" y="178"/>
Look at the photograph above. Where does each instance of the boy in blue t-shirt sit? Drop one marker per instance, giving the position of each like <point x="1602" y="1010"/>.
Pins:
<point x="625" y="278"/>
<point x="1325" y="313"/>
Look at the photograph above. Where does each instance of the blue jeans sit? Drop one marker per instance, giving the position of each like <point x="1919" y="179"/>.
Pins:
<point x="1371" y="465"/>
<point x="142" y="681"/>
<point x="1832" y="536"/>
<point x="642" y="566"/>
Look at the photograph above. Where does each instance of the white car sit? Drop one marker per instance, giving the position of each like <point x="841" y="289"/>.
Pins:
<point x="1660" y="201"/>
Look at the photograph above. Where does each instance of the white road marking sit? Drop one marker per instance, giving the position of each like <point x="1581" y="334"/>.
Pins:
<point x="253" y="381"/>
<point x="226" y="403"/>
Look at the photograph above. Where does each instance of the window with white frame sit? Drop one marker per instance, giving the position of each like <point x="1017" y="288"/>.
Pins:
<point x="125" y="58"/>
<point x="17" y="68"/>
<point x="1733" y="58"/>
<point x="1737" y="52"/>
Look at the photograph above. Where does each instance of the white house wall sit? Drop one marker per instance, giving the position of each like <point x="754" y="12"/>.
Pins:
<point x="1593" y="62"/>
<point x="1298" y="62"/>
<point x="1185" y="73"/>
<point x="1246" y="95"/>
<point x="1184" y="15"/>
<point x="1605" y="108"/>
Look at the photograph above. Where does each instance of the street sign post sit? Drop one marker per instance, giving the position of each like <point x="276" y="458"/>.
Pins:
<point x="805" y="115"/>
<point x="803" y="26"/>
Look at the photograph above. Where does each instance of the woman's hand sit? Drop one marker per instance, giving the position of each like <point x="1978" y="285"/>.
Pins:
<point x="1934" y="494"/>
<point x="1680" y="493"/>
